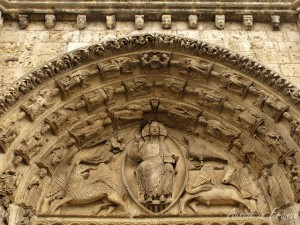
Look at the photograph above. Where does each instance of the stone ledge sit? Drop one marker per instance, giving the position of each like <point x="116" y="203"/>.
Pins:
<point x="247" y="219"/>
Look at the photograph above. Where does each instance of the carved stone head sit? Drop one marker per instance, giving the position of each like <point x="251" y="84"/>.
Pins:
<point x="248" y="22"/>
<point x="42" y="172"/>
<point x="50" y="21"/>
<point x="154" y="129"/>
<point x="81" y="22"/>
<point x="220" y="21"/>
<point x="166" y="21"/>
<point x="139" y="22"/>
<point x="193" y="21"/>
<point x="17" y="160"/>
<point x="23" y="21"/>
<point x="275" y="22"/>
<point x="111" y="22"/>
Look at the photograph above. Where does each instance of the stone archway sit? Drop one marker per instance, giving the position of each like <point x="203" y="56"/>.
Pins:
<point x="151" y="127"/>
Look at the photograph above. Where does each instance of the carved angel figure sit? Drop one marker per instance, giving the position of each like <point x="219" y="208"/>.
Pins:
<point x="155" y="171"/>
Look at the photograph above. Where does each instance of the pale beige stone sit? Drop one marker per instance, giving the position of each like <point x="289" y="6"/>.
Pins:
<point x="49" y="48"/>
<point x="289" y="46"/>
<point x="291" y="70"/>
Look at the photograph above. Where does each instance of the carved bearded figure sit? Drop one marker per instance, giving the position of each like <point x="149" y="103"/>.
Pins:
<point x="155" y="171"/>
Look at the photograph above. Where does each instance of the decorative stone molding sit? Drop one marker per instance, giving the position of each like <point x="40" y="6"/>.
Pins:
<point x="285" y="8"/>
<point x="23" y="21"/>
<point x="81" y="22"/>
<point x="193" y="21"/>
<point x="166" y="21"/>
<point x="248" y="22"/>
<point x="220" y="21"/>
<point x="159" y="124"/>
<point x="50" y="21"/>
<point x="139" y="22"/>
<point x="275" y="22"/>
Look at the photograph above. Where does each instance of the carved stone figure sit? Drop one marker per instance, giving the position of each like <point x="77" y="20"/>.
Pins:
<point x="220" y="21"/>
<point x="116" y="67"/>
<point x="59" y="120"/>
<point x="40" y="102"/>
<point x="55" y="156"/>
<point x="166" y="21"/>
<point x="296" y="182"/>
<point x="272" y="105"/>
<point x="34" y="189"/>
<point x="248" y="119"/>
<point x="134" y="111"/>
<point x="96" y="185"/>
<point x="178" y="114"/>
<point x="8" y="135"/>
<point x="275" y="22"/>
<point x="189" y="67"/>
<point x="93" y="127"/>
<point x="26" y="217"/>
<point x="295" y="131"/>
<point x="50" y="21"/>
<point x="207" y="189"/>
<point x="171" y="86"/>
<point x="31" y="146"/>
<point x="193" y="21"/>
<point x="200" y="153"/>
<point x="277" y="144"/>
<point x="10" y="178"/>
<point x="4" y="209"/>
<point x="219" y="130"/>
<point x="139" y="22"/>
<point x="76" y="80"/>
<point x="248" y="22"/>
<point x="23" y="21"/>
<point x="274" y="188"/>
<point x="96" y="98"/>
<point x="81" y="22"/>
<point x="156" y="169"/>
<point x="208" y="98"/>
<point x="137" y="87"/>
<point x="111" y="22"/>
<point x="234" y="83"/>
<point x="155" y="60"/>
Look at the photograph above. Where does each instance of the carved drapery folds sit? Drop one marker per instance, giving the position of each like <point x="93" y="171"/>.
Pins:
<point x="150" y="125"/>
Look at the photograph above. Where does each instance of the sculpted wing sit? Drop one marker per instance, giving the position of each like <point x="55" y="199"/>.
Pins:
<point x="205" y="176"/>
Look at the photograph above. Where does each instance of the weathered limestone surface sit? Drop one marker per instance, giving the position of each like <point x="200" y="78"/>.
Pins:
<point x="22" y="50"/>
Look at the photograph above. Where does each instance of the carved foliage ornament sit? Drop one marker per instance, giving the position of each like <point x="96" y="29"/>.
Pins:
<point x="10" y="96"/>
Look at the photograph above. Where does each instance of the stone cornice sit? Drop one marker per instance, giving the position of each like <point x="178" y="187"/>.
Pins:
<point x="126" y="9"/>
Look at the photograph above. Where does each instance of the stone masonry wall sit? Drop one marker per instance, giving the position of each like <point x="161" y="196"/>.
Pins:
<point x="22" y="50"/>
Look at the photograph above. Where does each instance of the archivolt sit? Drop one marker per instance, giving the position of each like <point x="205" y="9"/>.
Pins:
<point x="83" y="97"/>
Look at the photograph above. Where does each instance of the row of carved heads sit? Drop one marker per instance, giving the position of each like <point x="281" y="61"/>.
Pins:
<point x="50" y="21"/>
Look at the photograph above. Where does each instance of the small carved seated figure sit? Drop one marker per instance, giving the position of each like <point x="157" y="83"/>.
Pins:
<point x="40" y="102"/>
<point x="220" y="130"/>
<point x="8" y="135"/>
<point x="155" y="171"/>
<point x="234" y="83"/>
<point x="155" y="60"/>
<point x="188" y="66"/>
<point x="117" y="66"/>
<point x="31" y="146"/>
